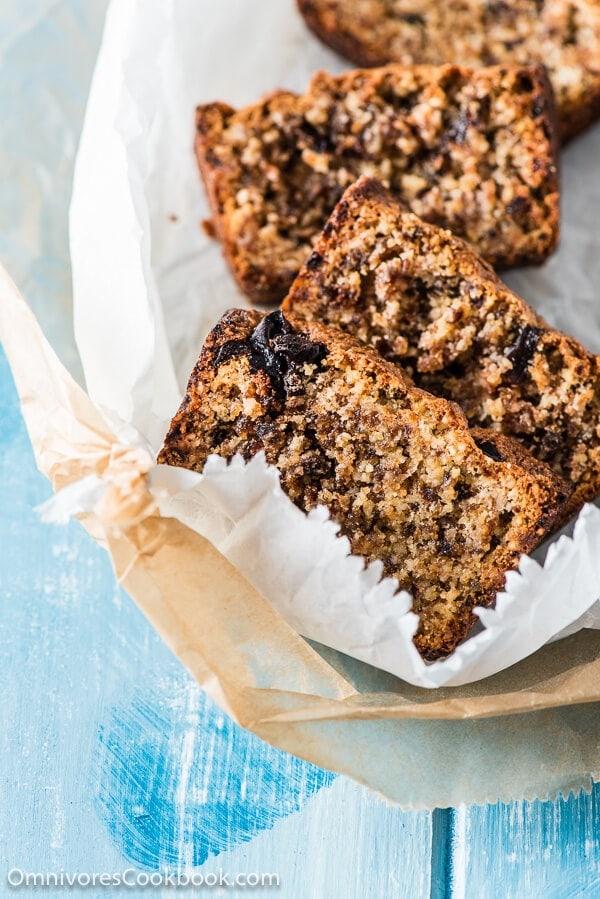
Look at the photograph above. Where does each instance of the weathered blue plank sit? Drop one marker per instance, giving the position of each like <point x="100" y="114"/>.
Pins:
<point x="178" y="783"/>
<point x="542" y="850"/>
<point x="442" y="820"/>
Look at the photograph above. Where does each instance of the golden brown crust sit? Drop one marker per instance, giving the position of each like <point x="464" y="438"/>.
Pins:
<point x="261" y="284"/>
<point x="471" y="150"/>
<point x="398" y="468"/>
<point x="427" y="302"/>
<point x="499" y="446"/>
<point x="564" y="35"/>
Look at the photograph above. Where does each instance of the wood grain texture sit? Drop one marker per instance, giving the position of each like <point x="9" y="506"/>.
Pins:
<point x="542" y="850"/>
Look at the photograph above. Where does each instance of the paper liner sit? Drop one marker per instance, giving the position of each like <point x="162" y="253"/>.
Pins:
<point x="418" y="747"/>
<point x="140" y="335"/>
<point x="308" y="574"/>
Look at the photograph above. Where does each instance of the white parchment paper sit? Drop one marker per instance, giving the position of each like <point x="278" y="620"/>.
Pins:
<point x="149" y="284"/>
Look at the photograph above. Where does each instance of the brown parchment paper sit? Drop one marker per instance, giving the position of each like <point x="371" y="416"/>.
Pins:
<point x="416" y="747"/>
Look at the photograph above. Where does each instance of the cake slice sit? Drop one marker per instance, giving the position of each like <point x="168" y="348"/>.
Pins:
<point x="448" y="512"/>
<point x="470" y="150"/>
<point x="426" y="301"/>
<point x="562" y="34"/>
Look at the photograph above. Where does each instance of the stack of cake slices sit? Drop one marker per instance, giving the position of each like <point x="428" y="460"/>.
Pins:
<point x="447" y="428"/>
<point x="564" y="35"/>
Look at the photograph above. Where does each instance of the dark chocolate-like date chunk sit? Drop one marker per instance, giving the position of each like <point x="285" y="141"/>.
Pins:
<point x="277" y="349"/>
<point x="521" y="353"/>
<point x="490" y="450"/>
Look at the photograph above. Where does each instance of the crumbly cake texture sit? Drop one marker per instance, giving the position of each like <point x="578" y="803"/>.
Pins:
<point x="427" y="302"/>
<point x="562" y="34"/>
<point x="474" y="151"/>
<point x="446" y="511"/>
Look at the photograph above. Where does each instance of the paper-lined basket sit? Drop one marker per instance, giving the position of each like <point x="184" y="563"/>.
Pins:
<point x="147" y="286"/>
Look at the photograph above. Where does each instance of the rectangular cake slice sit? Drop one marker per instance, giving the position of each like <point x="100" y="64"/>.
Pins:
<point x="447" y="511"/>
<point x="472" y="150"/>
<point x="428" y="302"/>
<point x="562" y="34"/>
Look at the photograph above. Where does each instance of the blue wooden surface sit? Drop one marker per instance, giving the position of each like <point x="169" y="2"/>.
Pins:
<point x="111" y="756"/>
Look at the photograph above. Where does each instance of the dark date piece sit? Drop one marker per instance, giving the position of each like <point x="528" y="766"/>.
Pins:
<point x="490" y="450"/>
<point x="277" y="349"/>
<point x="521" y="353"/>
